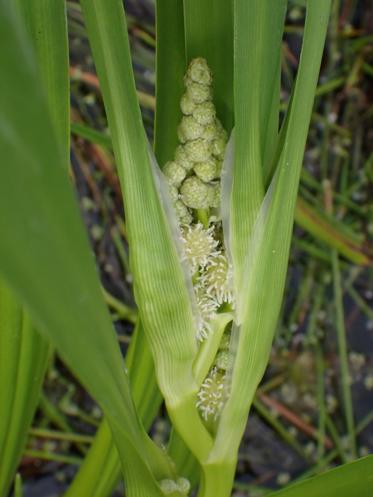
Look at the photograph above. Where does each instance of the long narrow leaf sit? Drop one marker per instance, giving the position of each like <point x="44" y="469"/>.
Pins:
<point x="349" y="480"/>
<point x="46" y="22"/>
<point x="209" y="34"/>
<point x="256" y="85"/>
<point x="170" y="68"/>
<point x="23" y="357"/>
<point x="45" y="255"/>
<point x="266" y="261"/>
<point x="159" y="278"/>
<point x="92" y="483"/>
<point x="23" y="350"/>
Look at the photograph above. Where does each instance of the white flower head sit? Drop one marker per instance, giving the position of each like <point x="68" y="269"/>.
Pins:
<point x="217" y="279"/>
<point x="199" y="245"/>
<point x="212" y="395"/>
<point x="207" y="307"/>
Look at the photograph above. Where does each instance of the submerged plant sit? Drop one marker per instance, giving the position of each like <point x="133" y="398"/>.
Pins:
<point x="209" y="237"/>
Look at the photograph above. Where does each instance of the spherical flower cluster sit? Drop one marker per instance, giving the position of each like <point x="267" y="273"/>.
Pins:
<point x="212" y="395"/>
<point x="214" y="391"/>
<point x="199" y="245"/>
<point x="196" y="168"/>
<point x="207" y="308"/>
<point x="217" y="278"/>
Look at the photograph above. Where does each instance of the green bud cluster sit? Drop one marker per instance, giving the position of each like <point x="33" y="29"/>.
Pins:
<point x="194" y="174"/>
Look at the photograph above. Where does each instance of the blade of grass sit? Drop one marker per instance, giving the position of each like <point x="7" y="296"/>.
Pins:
<point x="266" y="264"/>
<point x="47" y="26"/>
<point x="45" y="257"/>
<point x="18" y="491"/>
<point x="353" y="479"/>
<point x="209" y="34"/>
<point x="256" y="83"/>
<point x="46" y="23"/>
<point x="342" y="351"/>
<point x="161" y="294"/>
<point x="103" y="454"/>
<point x="91" y="135"/>
<point x="23" y="358"/>
<point x="321" y="227"/>
<point x="170" y="68"/>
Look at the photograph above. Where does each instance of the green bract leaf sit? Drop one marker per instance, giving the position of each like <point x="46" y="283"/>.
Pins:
<point x="159" y="279"/>
<point x="349" y="480"/>
<point x="263" y="277"/>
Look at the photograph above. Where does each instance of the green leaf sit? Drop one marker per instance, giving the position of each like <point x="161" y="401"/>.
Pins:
<point x="209" y="34"/>
<point x="45" y="255"/>
<point x="267" y="258"/>
<point x="331" y="232"/>
<point x="161" y="294"/>
<point x="47" y="27"/>
<point x="91" y="135"/>
<point x="354" y="479"/>
<point x="92" y="483"/>
<point x="23" y="358"/>
<point x="170" y="69"/>
<point x="257" y="55"/>
<point x="23" y="351"/>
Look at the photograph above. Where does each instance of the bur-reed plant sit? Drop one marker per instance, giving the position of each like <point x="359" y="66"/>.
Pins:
<point x="209" y="236"/>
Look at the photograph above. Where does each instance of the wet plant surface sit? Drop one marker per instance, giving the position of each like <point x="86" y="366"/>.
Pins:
<point x="314" y="406"/>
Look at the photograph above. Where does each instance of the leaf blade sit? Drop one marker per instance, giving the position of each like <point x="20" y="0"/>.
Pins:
<point x="354" y="479"/>
<point x="44" y="243"/>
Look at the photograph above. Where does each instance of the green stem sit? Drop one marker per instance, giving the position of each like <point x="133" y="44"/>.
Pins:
<point x="58" y="435"/>
<point x="342" y="350"/>
<point x="336" y="438"/>
<point x="123" y="311"/>
<point x="51" y="456"/>
<point x="217" y="479"/>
